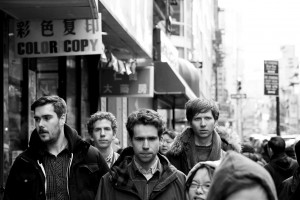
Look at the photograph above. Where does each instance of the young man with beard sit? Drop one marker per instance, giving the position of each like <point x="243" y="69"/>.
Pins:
<point x="102" y="126"/>
<point x="141" y="172"/>
<point x="199" y="142"/>
<point x="58" y="164"/>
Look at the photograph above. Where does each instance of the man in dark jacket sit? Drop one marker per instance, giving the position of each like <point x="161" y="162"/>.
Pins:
<point x="290" y="188"/>
<point x="58" y="164"/>
<point x="199" y="142"/>
<point x="280" y="166"/>
<point x="140" y="172"/>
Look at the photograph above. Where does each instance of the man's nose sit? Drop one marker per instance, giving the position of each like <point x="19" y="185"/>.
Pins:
<point x="146" y="144"/>
<point x="102" y="133"/>
<point x="202" y="122"/>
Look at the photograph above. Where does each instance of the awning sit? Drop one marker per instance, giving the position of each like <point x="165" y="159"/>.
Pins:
<point x="50" y="9"/>
<point x="171" y="87"/>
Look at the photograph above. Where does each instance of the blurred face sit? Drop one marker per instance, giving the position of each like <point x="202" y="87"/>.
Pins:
<point x="203" y="124"/>
<point x="47" y="123"/>
<point x="253" y="193"/>
<point x="103" y="134"/>
<point x="200" y="185"/>
<point x="165" y="143"/>
<point x="145" y="143"/>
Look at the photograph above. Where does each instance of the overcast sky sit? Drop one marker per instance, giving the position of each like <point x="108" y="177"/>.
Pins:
<point x="263" y="26"/>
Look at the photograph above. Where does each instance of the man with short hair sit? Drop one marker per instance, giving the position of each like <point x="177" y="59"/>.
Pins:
<point x="141" y="172"/>
<point x="280" y="166"/>
<point x="58" y="164"/>
<point x="200" y="141"/>
<point x="102" y="127"/>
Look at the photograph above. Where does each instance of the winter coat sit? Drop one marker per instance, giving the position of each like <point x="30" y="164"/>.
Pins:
<point x="237" y="171"/>
<point x="27" y="179"/>
<point x="290" y="187"/>
<point x="281" y="167"/>
<point x="119" y="184"/>
<point x="182" y="151"/>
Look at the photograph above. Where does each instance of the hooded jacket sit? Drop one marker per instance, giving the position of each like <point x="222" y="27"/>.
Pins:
<point x="234" y="172"/>
<point x="281" y="167"/>
<point x="27" y="178"/>
<point x="182" y="150"/>
<point x="119" y="182"/>
<point x="191" y="174"/>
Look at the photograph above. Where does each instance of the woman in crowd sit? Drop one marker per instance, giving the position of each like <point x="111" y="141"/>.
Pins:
<point x="199" y="180"/>
<point x="167" y="140"/>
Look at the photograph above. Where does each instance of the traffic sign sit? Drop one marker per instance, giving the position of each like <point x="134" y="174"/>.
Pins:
<point x="271" y="77"/>
<point x="238" y="96"/>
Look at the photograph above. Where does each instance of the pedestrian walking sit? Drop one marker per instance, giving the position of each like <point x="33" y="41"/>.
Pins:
<point x="199" y="142"/>
<point x="290" y="188"/>
<point x="199" y="180"/>
<point x="141" y="172"/>
<point x="58" y="164"/>
<point x="167" y="139"/>
<point x="102" y="127"/>
<point x="280" y="166"/>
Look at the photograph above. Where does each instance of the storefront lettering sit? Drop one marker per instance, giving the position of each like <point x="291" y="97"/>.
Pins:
<point x="79" y="45"/>
<point x="37" y="47"/>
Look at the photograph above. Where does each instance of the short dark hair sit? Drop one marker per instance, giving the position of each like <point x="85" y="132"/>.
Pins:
<point x="170" y="133"/>
<point x="145" y="117"/>
<point x="277" y="144"/>
<point x="100" y="115"/>
<point x="201" y="105"/>
<point x="59" y="104"/>
<point x="297" y="151"/>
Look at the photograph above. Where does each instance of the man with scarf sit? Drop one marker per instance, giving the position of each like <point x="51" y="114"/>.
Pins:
<point x="199" y="142"/>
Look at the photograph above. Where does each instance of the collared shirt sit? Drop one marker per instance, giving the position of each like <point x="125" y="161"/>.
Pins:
<point x="148" y="173"/>
<point x="111" y="158"/>
<point x="56" y="169"/>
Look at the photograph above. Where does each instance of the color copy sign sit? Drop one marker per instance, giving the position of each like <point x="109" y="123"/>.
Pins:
<point x="69" y="37"/>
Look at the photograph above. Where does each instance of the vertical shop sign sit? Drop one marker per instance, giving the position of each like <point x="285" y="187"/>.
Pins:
<point x="69" y="37"/>
<point x="271" y="78"/>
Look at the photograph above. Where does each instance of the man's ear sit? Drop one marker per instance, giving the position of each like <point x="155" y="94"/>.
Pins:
<point x="62" y="119"/>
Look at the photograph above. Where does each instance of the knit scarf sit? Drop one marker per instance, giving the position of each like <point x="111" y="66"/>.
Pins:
<point x="215" y="153"/>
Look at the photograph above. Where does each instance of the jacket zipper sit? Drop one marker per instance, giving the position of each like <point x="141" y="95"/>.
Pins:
<point x="68" y="174"/>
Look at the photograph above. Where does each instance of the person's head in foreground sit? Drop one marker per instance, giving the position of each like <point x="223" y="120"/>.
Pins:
<point x="239" y="178"/>
<point x="199" y="180"/>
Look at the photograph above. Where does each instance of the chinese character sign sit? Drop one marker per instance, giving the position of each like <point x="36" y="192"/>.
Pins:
<point x="140" y="84"/>
<point x="69" y="37"/>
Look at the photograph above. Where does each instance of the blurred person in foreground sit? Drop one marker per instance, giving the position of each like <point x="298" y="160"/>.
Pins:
<point x="280" y="166"/>
<point x="239" y="178"/>
<point x="167" y="139"/>
<point x="58" y="164"/>
<point x="102" y="127"/>
<point x="290" y="188"/>
<point x="199" y="142"/>
<point x="199" y="180"/>
<point x="141" y="172"/>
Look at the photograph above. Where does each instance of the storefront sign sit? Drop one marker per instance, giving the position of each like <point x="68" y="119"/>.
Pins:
<point x="139" y="84"/>
<point x="69" y="37"/>
<point x="271" y="78"/>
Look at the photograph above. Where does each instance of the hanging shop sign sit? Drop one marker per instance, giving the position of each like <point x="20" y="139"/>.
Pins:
<point x="138" y="84"/>
<point x="69" y="37"/>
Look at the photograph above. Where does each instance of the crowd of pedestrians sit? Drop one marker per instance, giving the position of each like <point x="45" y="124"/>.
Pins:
<point x="205" y="161"/>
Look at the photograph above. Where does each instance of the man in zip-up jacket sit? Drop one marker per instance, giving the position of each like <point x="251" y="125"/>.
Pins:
<point x="58" y="164"/>
<point x="141" y="173"/>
